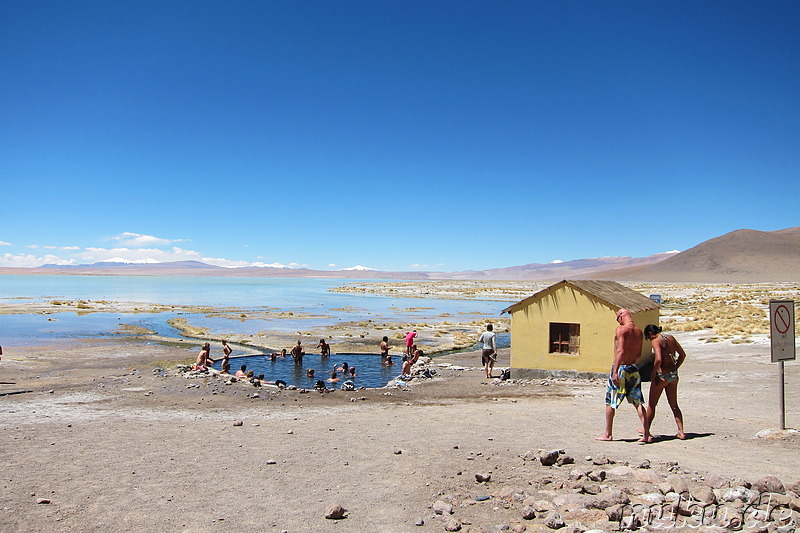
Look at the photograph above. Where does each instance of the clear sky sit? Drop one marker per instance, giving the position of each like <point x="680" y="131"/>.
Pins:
<point x="398" y="135"/>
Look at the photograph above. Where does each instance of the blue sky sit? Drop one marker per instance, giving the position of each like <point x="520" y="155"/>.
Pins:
<point x="398" y="135"/>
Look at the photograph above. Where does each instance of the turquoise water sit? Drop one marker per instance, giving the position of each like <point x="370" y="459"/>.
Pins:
<point x="300" y="296"/>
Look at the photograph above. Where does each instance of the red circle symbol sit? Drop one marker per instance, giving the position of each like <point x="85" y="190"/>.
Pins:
<point x="782" y="319"/>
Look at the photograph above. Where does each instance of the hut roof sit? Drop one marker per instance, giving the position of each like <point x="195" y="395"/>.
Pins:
<point x="611" y="292"/>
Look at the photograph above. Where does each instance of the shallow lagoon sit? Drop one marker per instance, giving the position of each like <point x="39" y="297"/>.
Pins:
<point x="300" y="296"/>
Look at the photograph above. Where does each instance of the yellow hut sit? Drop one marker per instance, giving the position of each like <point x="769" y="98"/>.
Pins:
<point x="568" y="328"/>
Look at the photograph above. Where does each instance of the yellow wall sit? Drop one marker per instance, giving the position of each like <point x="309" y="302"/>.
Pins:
<point x="530" y="331"/>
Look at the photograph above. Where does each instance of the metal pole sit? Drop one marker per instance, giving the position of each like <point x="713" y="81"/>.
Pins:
<point x="780" y="392"/>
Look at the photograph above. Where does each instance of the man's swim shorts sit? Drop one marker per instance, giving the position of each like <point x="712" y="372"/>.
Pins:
<point x="630" y="387"/>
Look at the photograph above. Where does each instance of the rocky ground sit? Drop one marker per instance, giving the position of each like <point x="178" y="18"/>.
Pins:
<point x="107" y="435"/>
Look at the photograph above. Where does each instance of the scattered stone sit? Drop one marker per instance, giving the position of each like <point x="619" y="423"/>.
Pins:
<point x="529" y="513"/>
<point x="548" y="458"/>
<point x="398" y="452"/>
<point x="564" y="459"/>
<point x="621" y="471"/>
<point x="647" y="476"/>
<point x="238" y="423"/>
<point x="600" y="459"/>
<point x="451" y="524"/>
<point x="481" y="498"/>
<point x="419" y="521"/>
<point x="769" y="483"/>
<point x="553" y="520"/>
<point x="597" y="475"/>
<point x="677" y="483"/>
<point x="591" y="488"/>
<point x="442" y="507"/>
<point x="483" y="477"/>
<point x="530" y="456"/>
<point x="716" y="482"/>
<point x="704" y="495"/>
<point x="644" y="464"/>
<point x="335" y="512"/>
<point x="42" y="501"/>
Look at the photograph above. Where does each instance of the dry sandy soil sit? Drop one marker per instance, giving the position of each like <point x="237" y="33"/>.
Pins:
<point x="115" y="445"/>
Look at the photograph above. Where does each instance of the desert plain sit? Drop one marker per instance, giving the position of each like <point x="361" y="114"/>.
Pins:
<point x="108" y="435"/>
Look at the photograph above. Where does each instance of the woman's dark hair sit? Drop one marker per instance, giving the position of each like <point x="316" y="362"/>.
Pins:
<point x="651" y="330"/>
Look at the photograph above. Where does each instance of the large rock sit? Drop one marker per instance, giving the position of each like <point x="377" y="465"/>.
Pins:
<point x="335" y="512"/>
<point x="677" y="483"/>
<point x="769" y="483"/>
<point x="572" y="502"/>
<point x="451" y="524"/>
<point x="620" y="471"/>
<point x="704" y="495"/>
<point x="608" y="498"/>
<point x="442" y="507"/>
<point x="548" y="458"/>
<point x="647" y="476"/>
<point x="553" y="520"/>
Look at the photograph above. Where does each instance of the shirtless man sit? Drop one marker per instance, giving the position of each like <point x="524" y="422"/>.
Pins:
<point x="297" y="353"/>
<point x="203" y="358"/>
<point x="624" y="380"/>
<point x="386" y="359"/>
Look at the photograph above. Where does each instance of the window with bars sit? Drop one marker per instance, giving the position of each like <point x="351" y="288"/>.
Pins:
<point x="565" y="338"/>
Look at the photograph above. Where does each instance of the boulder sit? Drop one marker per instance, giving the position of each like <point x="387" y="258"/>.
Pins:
<point x="548" y="458"/>
<point x="553" y="520"/>
<point x="769" y="483"/>
<point x="442" y="507"/>
<point x="335" y="512"/>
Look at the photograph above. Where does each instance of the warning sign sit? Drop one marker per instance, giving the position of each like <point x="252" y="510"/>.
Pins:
<point x="781" y="329"/>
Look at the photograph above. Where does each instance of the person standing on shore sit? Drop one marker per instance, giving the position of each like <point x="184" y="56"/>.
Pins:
<point x="624" y="381"/>
<point x="669" y="357"/>
<point x="410" y="335"/>
<point x="489" y="352"/>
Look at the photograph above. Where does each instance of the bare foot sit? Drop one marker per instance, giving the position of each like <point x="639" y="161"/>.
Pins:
<point x="645" y="441"/>
<point x="640" y="431"/>
<point x="604" y="438"/>
<point x="681" y="436"/>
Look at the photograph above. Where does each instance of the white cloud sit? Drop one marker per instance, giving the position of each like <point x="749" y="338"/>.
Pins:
<point x="555" y="262"/>
<point x="32" y="261"/>
<point x="137" y="255"/>
<point x="332" y="265"/>
<point x="138" y="240"/>
<point x="4" y="243"/>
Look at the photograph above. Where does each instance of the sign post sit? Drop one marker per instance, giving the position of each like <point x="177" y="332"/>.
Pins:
<point x="781" y="334"/>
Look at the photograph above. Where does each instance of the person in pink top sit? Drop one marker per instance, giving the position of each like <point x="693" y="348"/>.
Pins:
<point x="410" y="342"/>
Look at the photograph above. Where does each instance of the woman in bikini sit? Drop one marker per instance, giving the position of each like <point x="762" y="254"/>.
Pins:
<point x="669" y="357"/>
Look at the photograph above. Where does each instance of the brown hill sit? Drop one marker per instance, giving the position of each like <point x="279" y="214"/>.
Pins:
<point x="741" y="256"/>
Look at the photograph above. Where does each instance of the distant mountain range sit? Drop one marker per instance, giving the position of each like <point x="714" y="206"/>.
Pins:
<point x="742" y="256"/>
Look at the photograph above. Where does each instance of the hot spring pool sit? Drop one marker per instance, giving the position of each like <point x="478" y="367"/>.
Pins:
<point x="369" y="371"/>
